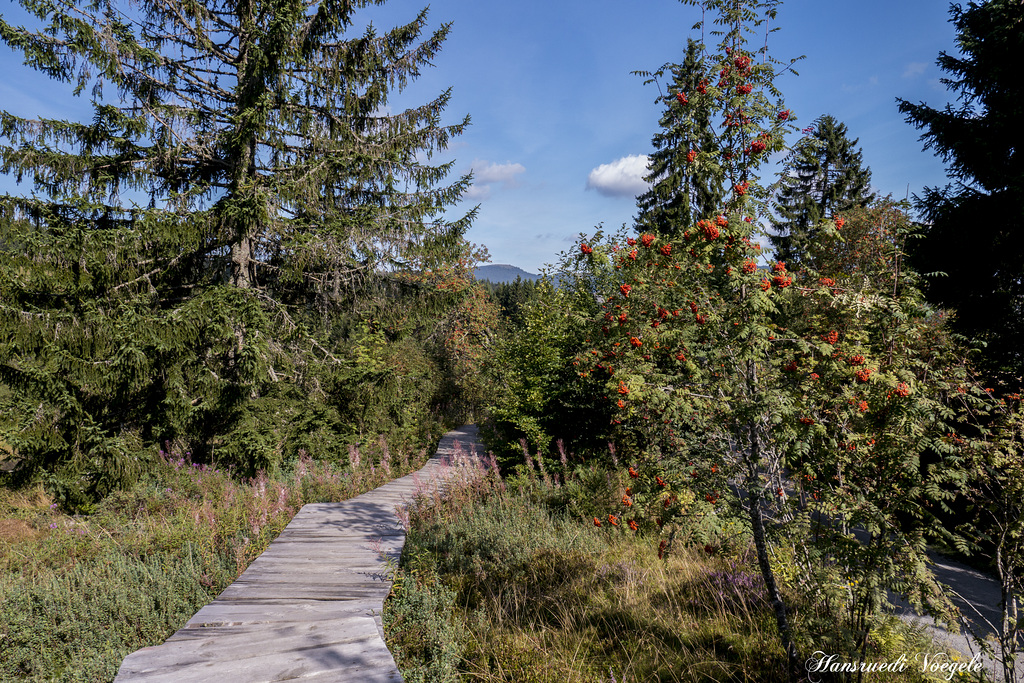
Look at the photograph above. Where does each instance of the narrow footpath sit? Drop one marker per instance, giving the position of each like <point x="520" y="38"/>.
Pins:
<point x="310" y="606"/>
<point x="977" y="595"/>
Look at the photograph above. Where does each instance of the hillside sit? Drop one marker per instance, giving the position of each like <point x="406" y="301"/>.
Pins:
<point x="502" y="273"/>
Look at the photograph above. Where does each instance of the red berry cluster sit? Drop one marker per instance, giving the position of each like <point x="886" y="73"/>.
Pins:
<point x="827" y="281"/>
<point x="744" y="89"/>
<point x="691" y="155"/>
<point x="666" y="250"/>
<point x="749" y="266"/>
<point x="856" y="360"/>
<point x="646" y="239"/>
<point x="625" y="289"/>
<point x="681" y="98"/>
<point x="756" y="147"/>
<point x="863" y="374"/>
<point x="831" y="338"/>
<point x="807" y="420"/>
<point x="709" y="230"/>
<point x="586" y="248"/>
<point x="782" y="280"/>
<point x="903" y="389"/>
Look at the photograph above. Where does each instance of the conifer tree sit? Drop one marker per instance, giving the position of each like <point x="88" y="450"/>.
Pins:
<point x="822" y="177"/>
<point x="685" y="171"/>
<point x="974" y="231"/>
<point x="237" y="180"/>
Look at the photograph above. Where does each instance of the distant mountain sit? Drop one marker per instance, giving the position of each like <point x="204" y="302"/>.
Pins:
<point x="502" y="273"/>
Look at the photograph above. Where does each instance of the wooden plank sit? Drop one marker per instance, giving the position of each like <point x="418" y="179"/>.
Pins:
<point x="309" y="607"/>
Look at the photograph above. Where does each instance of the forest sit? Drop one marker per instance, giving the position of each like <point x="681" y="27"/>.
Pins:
<point x="730" y="435"/>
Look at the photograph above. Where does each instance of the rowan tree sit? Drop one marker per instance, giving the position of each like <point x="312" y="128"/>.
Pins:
<point x="174" y="272"/>
<point x="887" y="409"/>
<point x="684" y="343"/>
<point x="746" y="385"/>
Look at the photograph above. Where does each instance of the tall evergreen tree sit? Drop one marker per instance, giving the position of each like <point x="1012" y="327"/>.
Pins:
<point x="685" y="170"/>
<point x="822" y="177"/>
<point x="974" y="231"/>
<point x="238" y="179"/>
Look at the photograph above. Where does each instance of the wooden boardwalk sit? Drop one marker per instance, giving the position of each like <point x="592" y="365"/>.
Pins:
<point x="309" y="607"/>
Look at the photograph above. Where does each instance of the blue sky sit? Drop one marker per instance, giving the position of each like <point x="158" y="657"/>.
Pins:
<point x="552" y="100"/>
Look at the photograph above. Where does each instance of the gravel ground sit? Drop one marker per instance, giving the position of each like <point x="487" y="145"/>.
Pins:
<point x="977" y="595"/>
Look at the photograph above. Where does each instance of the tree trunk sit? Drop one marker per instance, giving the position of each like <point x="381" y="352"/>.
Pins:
<point x="754" y="502"/>
<point x="241" y="262"/>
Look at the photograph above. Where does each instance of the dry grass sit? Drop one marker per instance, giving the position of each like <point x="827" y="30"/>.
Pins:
<point x="16" y="530"/>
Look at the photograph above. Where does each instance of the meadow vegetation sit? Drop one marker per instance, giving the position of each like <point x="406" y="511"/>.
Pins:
<point x="81" y="592"/>
<point x="509" y="579"/>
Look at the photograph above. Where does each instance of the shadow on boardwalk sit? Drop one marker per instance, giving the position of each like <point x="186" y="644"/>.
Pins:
<point x="309" y="606"/>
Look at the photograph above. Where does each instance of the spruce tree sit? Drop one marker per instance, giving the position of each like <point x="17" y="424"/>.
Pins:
<point x="237" y="181"/>
<point x="974" y="235"/>
<point x="685" y="170"/>
<point x="822" y="177"/>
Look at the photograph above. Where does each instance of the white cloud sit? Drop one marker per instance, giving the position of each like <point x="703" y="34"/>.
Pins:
<point x="914" y="69"/>
<point x="487" y="174"/>
<point x="622" y="178"/>
<point x="477" y="192"/>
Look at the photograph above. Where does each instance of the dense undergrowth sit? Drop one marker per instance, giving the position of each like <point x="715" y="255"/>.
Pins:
<point x="510" y="580"/>
<point x="79" y="593"/>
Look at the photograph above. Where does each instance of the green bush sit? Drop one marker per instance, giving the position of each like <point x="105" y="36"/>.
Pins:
<point x="539" y="395"/>
<point x="424" y="628"/>
<point x="78" y="625"/>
